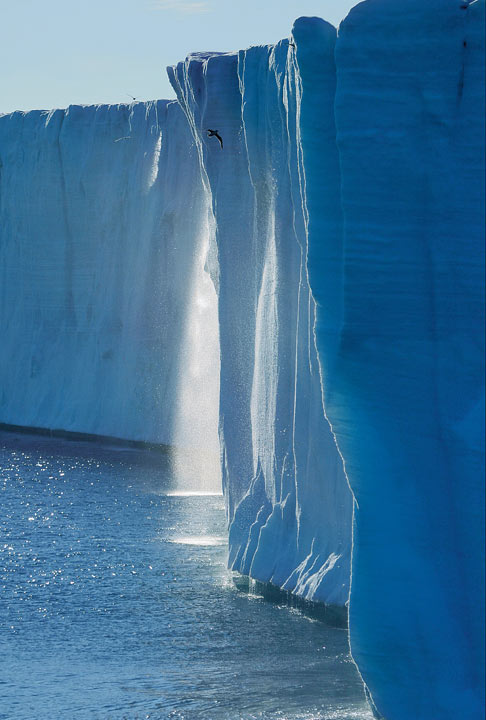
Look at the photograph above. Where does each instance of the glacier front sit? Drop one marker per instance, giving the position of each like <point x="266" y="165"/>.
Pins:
<point x="406" y="377"/>
<point x="289" y="505"/>
<point x="104" y="242"/>
<point x="341" y="228"/>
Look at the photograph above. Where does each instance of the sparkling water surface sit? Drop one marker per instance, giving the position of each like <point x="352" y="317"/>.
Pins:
<point x="116" y="601"/>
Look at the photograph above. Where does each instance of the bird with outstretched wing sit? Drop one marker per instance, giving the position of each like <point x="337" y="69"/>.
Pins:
<point x="215" y="133"/>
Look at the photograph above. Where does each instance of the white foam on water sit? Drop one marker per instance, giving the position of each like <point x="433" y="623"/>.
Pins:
<point x="193" y="493"/>
<point x="200" y="540"/>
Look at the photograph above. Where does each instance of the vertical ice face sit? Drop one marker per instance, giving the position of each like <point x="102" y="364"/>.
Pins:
<point x="316" y="42"/>
<point x="100" y="225"/>
<point x="403" y="358"/>
<point x="288" y="501"/>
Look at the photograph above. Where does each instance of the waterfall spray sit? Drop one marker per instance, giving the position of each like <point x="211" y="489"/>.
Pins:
<point x="195" y="459"/>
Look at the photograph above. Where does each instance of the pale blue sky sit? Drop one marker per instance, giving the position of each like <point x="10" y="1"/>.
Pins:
<point x="57" y="52"/>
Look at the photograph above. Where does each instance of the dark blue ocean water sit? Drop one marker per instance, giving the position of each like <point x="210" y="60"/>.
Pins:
<point x="116" y="602"/>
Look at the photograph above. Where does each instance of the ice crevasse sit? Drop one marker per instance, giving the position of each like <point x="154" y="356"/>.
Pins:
<point x="343" y="224"/>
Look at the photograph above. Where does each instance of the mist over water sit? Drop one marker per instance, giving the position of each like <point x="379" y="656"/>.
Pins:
<point x="117" y="602"/>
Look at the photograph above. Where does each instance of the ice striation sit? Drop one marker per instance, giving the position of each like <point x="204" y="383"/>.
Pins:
<point x="400" y="334"/>
<point x="102" y="229"/>
<point x="289" y="504"/>
<point x="406" y="379"/>
<point x="341" y="226"/>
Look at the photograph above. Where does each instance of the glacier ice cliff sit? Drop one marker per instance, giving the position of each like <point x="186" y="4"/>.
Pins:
<point x="342" y="226"/>
<point x="401" y="341"/>
<point x="404" y="363"/>
<point x="289" y="504"/>
<point x="101" y="230"/>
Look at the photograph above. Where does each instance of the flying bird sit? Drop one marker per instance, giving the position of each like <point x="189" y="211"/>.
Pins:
<point x="127" y="137"/>
<point x="292" y="44"/>
<point x="133" y="98"/>
<point x="215" y="133"/>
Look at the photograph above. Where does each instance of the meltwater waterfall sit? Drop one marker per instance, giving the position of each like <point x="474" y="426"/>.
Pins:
<point x="196" y="452"/>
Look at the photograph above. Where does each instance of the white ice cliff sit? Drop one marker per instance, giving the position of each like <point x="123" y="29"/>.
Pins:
<point x="288" y="501"/>
<point x="342" y="227"/>
<point x="102" y="229"/>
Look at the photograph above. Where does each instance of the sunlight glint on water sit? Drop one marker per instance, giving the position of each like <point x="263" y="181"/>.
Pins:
<point x="117" y="602"/>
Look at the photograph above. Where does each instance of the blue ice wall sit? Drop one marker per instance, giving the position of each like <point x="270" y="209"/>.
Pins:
<point x="289" y="504"/>
<point x="378" y="151"/>
<point x="98" y="221"/>
<point x="400" y="333"/>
